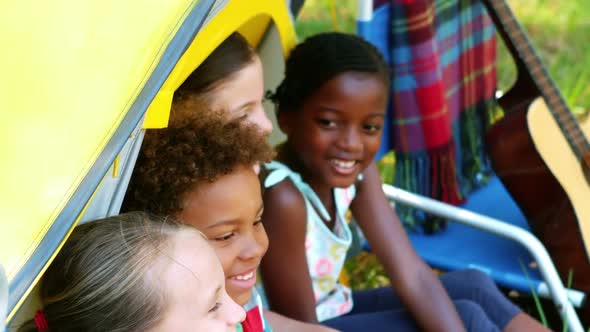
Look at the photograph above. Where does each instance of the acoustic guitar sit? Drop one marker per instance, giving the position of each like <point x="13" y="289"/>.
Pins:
<point x="541" y="153"/>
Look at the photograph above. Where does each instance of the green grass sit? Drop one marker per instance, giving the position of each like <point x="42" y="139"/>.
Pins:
<point x="560" y="32"/>
<point x="320" y="15"/>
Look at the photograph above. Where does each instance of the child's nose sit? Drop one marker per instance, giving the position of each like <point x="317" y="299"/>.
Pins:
<point x="233" y="313"/>
<point x="263" y="121"/>
<point x="253" y="248"/>
<point x="350" y="140"/>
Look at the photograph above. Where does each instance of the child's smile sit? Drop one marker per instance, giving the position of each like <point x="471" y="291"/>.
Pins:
<point x="344" y="167"/>
<point x="337" y="130"/>
<point x="228" y="211"/>
<point x="245" y="280"/>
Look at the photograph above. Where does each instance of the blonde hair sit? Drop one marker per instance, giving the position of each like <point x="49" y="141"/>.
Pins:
<point x="99" y="280"/>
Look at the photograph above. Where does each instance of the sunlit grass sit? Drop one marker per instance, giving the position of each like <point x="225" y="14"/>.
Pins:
<point x="560" y="32"/>
<point x="317" y="15"/>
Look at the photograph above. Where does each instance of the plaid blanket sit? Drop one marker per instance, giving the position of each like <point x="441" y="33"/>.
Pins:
<point x="442" y="54"/>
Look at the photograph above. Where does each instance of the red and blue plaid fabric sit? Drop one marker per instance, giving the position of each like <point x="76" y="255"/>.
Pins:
<point x="443" y="59"/>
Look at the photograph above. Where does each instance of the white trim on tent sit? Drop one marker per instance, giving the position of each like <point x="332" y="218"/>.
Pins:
<point x="109" y="196"/>
<point x="3" y="299"/>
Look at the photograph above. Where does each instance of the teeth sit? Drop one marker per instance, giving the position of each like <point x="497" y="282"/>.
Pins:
<point x="343" y="163"/>
<point x="245" y="276"/>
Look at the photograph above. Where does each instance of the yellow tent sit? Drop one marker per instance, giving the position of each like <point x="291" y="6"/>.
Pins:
<point x="79" y="78"/>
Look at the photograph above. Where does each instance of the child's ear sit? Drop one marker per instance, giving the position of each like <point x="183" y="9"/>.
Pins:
<point x="284" y="119"/>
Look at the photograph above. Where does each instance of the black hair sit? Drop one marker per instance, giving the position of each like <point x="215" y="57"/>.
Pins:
<point x="319" y="59"/>
<point x="232" y="55"/>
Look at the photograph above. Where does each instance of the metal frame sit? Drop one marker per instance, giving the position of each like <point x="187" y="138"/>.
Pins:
<point x="529" y="241"/>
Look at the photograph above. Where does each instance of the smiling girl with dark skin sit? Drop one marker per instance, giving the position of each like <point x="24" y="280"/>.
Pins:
<point x="331" y="106"/>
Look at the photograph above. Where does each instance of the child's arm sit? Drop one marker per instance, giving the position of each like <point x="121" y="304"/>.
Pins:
<point x="284" y="268"/>
<point x="415" y="283"/>
<point x="280" y="323"/>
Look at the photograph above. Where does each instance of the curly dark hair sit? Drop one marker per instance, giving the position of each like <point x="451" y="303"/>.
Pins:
<point x="197" y="148"/>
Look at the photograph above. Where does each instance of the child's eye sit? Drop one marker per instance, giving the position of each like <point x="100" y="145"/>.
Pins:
<point x="225" y="237"/>
<point x="258" y="222"/>
<point x="327" y="123"/>
<point x="215" y="307"/>
<point x="372" y="128"/>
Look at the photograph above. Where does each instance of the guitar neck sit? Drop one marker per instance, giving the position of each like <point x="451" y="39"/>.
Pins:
<point x="529" y="62"/>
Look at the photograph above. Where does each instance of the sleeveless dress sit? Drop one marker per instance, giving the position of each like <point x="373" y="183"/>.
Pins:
<point x="325" y="249"/>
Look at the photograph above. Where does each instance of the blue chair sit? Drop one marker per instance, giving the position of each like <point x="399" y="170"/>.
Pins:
<point x="503" y="247"/>
<point x="460" y="246"/>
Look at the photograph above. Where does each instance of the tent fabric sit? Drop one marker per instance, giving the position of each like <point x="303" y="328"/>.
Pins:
<point x="62" y="97"/>
<point x="78" y="77"/>
<point x="108" y="198"/>
<point x="71" y="112"/>
<point x="3" y="299"/>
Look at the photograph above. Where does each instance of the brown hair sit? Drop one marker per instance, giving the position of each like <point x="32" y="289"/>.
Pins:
<point x="197" y="148"/>
<point x="99" y="280"/>
<point x="232" y="55"/>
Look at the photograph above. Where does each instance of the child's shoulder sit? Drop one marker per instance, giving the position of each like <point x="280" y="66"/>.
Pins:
<point x="283" y="200"/>
<point x="282" y="183"/>
<point x="283" y="193"/>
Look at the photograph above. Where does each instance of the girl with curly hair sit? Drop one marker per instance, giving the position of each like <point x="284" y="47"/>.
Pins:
<point x="200" y="171"/>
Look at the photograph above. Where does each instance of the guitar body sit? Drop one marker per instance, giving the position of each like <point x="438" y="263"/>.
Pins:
<point x="563" y="164"/>
<point x="541" y="152"/>
<point x="534" y="161"/>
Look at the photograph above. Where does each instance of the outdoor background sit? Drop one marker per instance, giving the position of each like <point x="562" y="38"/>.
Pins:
<point x="560" y="32"/>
